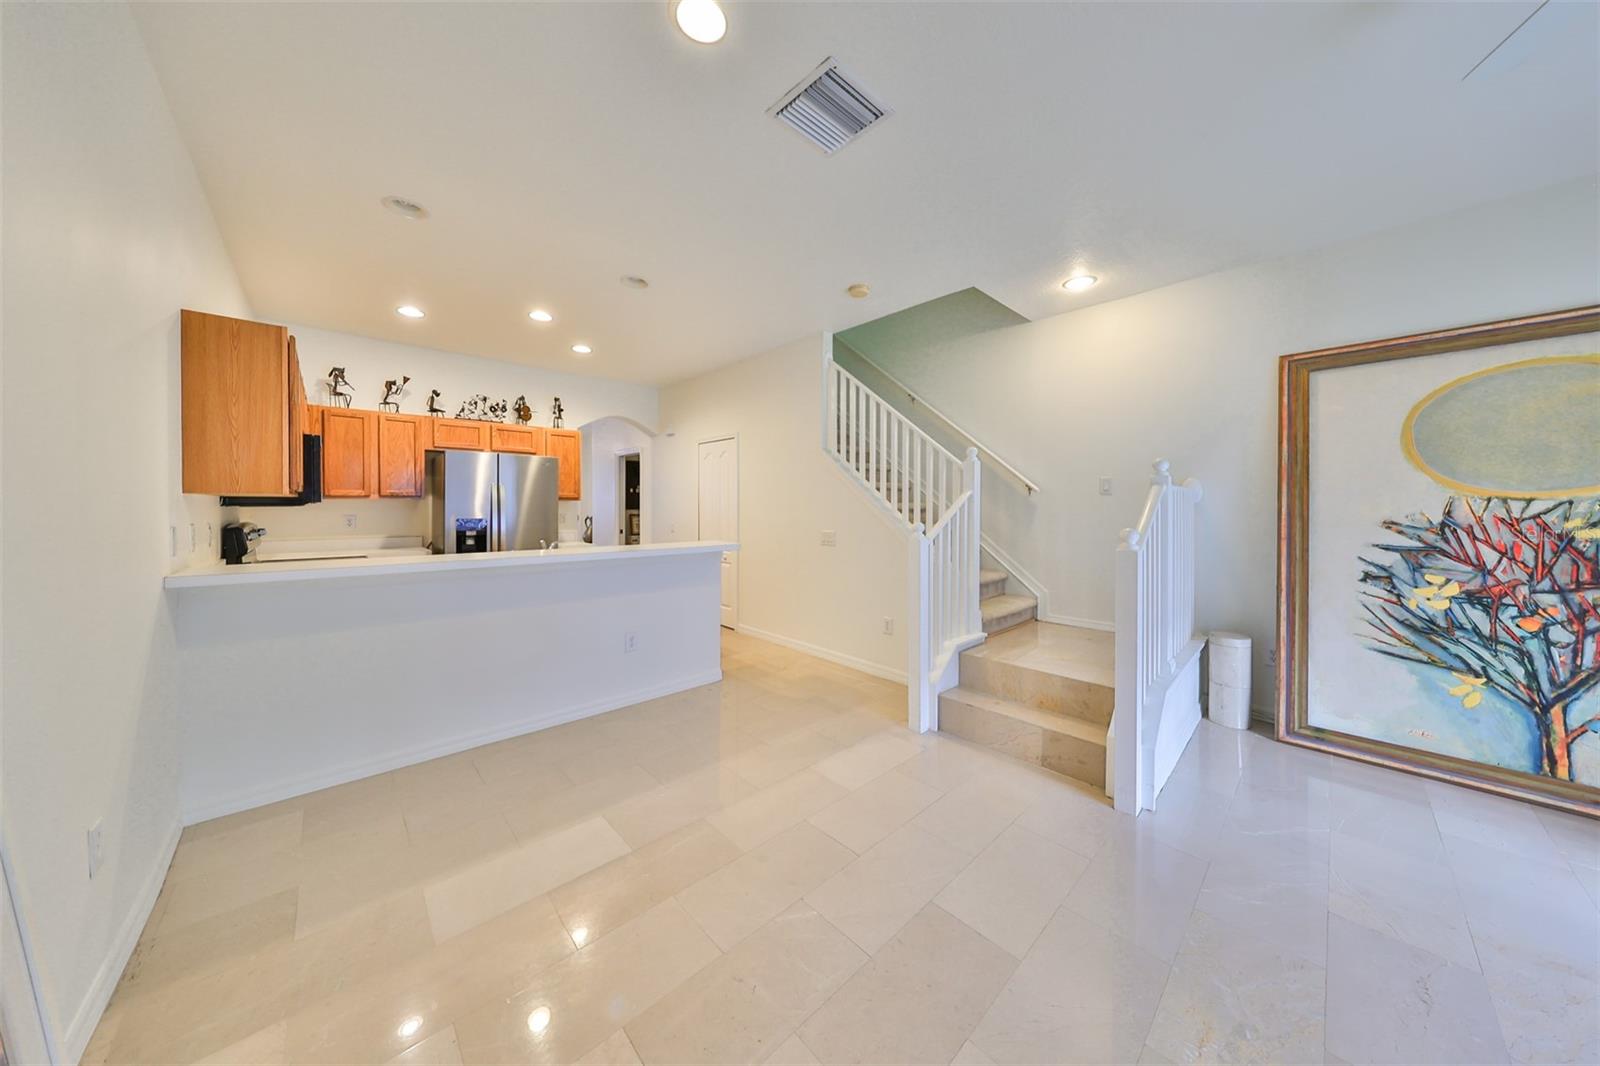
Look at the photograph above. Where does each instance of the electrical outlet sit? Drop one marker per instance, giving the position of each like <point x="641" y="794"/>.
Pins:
<point x="172" y="541"/>
<point x="630" y="642"/>
<point x="888" y="627"/>
<point x="96" y="841"/>
<point x="1105" y="486"/>
<point x="349" y="521"/>
<point x="829" y="539"/>
<point x="1272" y="656"/>
<point x="211" y="534"/>
<point x="192" y="542"/>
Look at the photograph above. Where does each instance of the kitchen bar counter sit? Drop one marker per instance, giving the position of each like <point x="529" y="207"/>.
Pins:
<point x="391" y="563"/>
<point x="297" y="675"/>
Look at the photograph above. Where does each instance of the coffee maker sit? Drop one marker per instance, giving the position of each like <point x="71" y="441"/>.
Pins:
<point x="239" y="541"/>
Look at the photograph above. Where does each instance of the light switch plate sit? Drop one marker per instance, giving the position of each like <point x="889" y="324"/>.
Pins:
<point x="630" y="642"/>
<point x="1105" y="486"/>
<point x="829" y="539"/>
<point x="96" y="843"/>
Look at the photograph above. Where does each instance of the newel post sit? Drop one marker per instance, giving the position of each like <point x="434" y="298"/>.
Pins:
<point x="973" y="480"/>
<point x="922" y="711"/>
<point x="1127" y="787"/>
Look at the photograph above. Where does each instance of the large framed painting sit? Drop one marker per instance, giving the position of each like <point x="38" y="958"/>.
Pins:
<point x="1439" y="555"/>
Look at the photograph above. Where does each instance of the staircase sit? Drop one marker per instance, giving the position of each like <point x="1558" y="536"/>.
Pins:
<point x="1111" y="709"/>
<point x="998" y="610"/>
<point x="1038" y="692"/>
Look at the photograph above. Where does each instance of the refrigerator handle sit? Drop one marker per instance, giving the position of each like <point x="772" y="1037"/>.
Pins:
<point x="498" y="539"/>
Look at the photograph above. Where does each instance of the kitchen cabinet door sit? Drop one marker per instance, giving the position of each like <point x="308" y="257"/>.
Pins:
<point x="400" y="447"/>
<point x="235" y="406"/>
<point x="349" y="452"/>
<point x="528" y="440"/>
<point x="460" y="433"/>
<point x="567" y="446"/>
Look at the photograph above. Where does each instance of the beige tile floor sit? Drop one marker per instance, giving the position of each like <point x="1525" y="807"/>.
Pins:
<point x="773" y="870"/>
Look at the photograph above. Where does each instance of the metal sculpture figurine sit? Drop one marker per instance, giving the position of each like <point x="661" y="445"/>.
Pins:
<point x="433" y="404"/>
<point x="523" y="412"/>
<point x="497" y="410"/>
<point x="555" y="413"/>
<point x="337" y="384"/>
<point x="475" y="408"/>
<point x="391" y="394"/>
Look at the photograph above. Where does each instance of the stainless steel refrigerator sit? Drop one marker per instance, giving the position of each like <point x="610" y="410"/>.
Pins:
<point x="490" y="501"/>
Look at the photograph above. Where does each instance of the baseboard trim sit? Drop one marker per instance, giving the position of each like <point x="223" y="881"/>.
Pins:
<point x="95" y="1001"/>
<point x="299" y="786"/>
<point x="854" y="663"/>
<point x="1081" y="623"/>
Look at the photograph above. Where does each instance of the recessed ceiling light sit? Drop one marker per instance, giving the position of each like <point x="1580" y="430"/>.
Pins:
<point x="408" y="311"/>
<point x="541" y="316"/>
<point x="582" y="349"/>
<point x="634" y="281"/>
<point x="580" y="934"/>
<point x="701" y="20"/>
<point x="405" y="208"/>
<point x="410" y="1026"/>
<point x="858" y="291"/>
<point x="539" y="1020"/>
<point x="1080" y="283"/>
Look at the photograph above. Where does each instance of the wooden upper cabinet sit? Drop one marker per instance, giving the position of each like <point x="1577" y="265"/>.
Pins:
<point x="529" y="440"/>
<point x="236" y="407"/>
<point x="460" y="433"/>
<point x="567" y="446"/>
<point x="349" y="452"/>
<point x="401" y="442"/>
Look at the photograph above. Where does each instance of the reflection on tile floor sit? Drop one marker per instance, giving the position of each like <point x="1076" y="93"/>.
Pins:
<point x="772" y="869"/>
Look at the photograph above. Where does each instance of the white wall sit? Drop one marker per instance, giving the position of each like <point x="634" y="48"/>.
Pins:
<point x="106" y="236"/>
<point x="829" y="600"/>
<point x="1189" y="372"/>
<point x="369" y="362"/>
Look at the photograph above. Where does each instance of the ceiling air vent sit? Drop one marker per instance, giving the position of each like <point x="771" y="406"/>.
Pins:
<point x="828" y="108"/>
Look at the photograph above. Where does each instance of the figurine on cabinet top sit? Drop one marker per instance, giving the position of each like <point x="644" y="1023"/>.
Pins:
<point x="433" y="404"/>
<point x="555" y="413"/>
<point x="337" y="384"/>
<point x="523" y="412"/>
<point x="391" y="393"/>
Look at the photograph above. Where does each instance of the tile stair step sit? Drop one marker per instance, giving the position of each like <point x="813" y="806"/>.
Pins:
<point x="1039" y="690"/>
<point x="1066" y="746"/>
<point x="1002" y="612"/>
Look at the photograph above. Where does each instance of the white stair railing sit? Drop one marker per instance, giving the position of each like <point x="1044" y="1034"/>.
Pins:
<point x="938" y="497"/>
<point x="1157" y="648"/>
<point x="944" y="564"/>
<point x="899" y="463"/>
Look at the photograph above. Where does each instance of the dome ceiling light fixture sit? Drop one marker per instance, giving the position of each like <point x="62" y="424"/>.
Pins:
<point x="407" y="209"/>
<point x="701" y="21"/>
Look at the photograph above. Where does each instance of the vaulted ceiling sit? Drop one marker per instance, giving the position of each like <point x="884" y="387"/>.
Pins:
<point x="559" y="147"/>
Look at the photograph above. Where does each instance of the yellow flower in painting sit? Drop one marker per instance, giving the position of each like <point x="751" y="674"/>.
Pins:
<point x="1470" y="690"/>
<point x="1436" y="594"/>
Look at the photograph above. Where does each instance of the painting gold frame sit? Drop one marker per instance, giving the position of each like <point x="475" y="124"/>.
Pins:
<point x="1294" y="495"/>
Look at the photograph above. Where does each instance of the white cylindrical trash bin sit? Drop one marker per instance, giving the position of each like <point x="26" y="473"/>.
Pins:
<point x="1229" y="663"/>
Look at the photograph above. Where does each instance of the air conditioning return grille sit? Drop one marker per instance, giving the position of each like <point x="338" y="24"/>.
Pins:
<point x="828" y="109"/>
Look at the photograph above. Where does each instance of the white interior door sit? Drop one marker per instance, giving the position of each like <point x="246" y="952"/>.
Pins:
<point x="719" y="514"/>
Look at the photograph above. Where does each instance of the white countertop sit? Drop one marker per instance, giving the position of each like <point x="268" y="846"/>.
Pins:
<point x="384" y="563"/>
